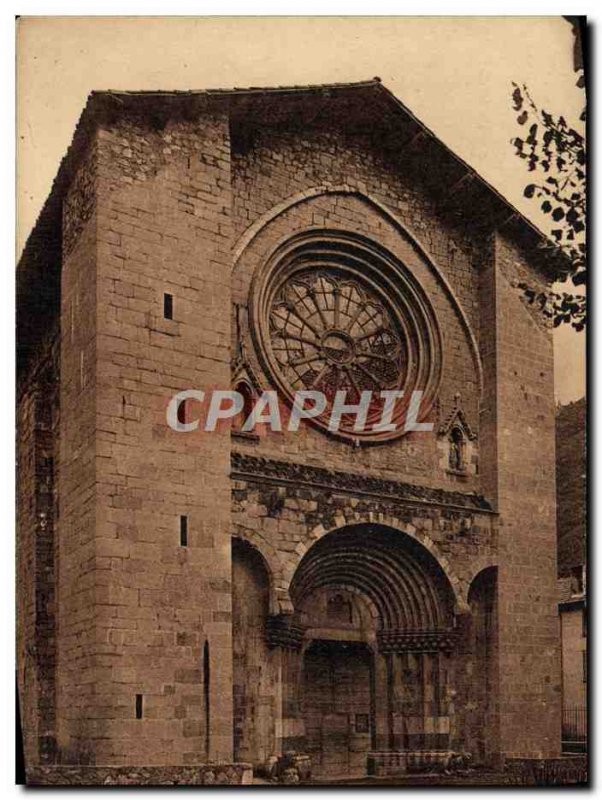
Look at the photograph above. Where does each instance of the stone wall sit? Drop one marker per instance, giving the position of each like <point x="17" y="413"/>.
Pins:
<point x="571" y="485"/>
<point x="37" y="461"/>
<point x="476" y="676"/>
<point x="271" y="165"/>
<point x="161" y="610"/>
<point x="564" y="771"/>
<point x="255" y="668"/>
<point x="147" y="212"/>
<point x="529" y="656"/>
<point x="288" y="181"/>
<point x="76" y="646"/>
<point x="284" y="516"/>
<point x="574" y="653"/>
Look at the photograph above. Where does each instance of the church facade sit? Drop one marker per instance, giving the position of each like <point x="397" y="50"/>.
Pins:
<point x="370" y="602"/>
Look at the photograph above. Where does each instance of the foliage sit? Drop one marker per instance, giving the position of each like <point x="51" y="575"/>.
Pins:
<point x="556" y="152"/>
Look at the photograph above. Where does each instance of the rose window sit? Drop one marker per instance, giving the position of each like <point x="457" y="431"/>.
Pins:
<point x="333" y="311"/>
<point x="329" y="333"/>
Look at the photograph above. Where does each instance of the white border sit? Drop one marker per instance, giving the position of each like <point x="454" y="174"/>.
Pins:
<point x="7" y="88"/>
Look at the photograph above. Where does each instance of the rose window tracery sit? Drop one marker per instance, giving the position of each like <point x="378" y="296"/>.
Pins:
<point x="329" y="333"/>
<point x="332" y="311"/>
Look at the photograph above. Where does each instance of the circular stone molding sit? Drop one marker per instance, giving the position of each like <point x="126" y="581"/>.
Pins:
<point x="334" y="311"/>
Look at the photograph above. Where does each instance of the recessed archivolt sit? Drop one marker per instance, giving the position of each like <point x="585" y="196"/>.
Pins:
<point x="402" y="581"/>
<point x="351" y="519"/>
<point x="350" y="189"/>
<point x="282" y="566"/>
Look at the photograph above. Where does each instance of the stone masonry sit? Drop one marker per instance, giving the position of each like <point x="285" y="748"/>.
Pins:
<point x="180" y="596"/>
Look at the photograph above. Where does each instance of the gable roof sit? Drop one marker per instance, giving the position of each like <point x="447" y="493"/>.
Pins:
<point x="363" y="104"/>
<point x="240" y="101"/>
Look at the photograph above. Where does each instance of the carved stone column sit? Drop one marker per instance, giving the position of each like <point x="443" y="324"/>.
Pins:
<point x="381" y="684"/>
<point x="414" y="665"/>
<point x="286" y="637"/>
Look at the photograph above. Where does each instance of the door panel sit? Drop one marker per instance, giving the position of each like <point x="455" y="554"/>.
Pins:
<point x="336" y="707"/>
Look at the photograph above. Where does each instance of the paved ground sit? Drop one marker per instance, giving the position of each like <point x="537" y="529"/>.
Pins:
<point x="475" y="778"/>
<point x="471" y="778"/>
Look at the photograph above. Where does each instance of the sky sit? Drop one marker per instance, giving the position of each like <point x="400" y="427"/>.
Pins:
<point x="454" y="73"/>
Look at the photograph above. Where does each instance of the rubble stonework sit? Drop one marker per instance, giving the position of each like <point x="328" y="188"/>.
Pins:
<point x="151" y="654"/>
<point x="206" y="775"/>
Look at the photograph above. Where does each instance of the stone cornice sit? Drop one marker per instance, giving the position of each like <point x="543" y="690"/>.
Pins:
<point x="267" y="470"/>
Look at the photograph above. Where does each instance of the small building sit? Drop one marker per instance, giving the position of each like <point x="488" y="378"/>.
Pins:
<point x="571" y="510"/>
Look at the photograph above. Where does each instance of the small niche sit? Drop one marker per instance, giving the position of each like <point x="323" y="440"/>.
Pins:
<point x="457" y="450"/>
<point x="246" y="393"/>
<point x="138" y="706"/>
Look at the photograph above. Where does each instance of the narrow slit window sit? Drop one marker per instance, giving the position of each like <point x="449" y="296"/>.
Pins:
<point x="168" y="306"/>
<point x="206" y="697"/>
<point x="138" y="706"/>
<point x="184" y="531"/>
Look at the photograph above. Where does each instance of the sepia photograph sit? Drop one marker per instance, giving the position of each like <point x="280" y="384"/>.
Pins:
<point x="301" y="415"/>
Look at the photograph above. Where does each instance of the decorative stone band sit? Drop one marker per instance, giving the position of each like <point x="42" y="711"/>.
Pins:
<point x="418" y="641"/>
<point x="255" y="468"/>
<point x="282" y="632"/>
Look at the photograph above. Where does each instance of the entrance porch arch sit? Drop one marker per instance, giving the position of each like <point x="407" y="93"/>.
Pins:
<point x="403" y="580"/>
<point x="378" y="615"/>
<point x="348" y="519"/>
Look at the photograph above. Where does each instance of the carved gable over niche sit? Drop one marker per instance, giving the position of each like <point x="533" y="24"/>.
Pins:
<point x="457" y="443"/>
<point x="243" y="373"/>
<point x="241" y="369"/>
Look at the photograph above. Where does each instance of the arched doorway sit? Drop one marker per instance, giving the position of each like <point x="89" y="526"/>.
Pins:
<point x="378" y="615"/>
